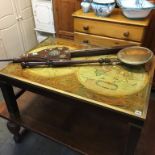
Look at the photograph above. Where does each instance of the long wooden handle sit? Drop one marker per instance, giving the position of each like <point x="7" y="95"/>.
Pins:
<point x="24" y="59"/>
<point x="58" y="63"/>
<point x="61" y="63"/>
<point x="33" y="64"/>
<point x="97" y="51"/>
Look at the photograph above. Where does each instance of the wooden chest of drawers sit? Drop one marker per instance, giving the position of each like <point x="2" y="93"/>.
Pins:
<point x="108" y="31"/>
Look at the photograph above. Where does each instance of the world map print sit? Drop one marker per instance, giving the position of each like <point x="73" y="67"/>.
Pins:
<point x="108" y="80"/>
<point x="113" y="80"/>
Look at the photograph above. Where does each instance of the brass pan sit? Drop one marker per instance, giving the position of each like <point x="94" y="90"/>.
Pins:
<point x="135" y="55"/>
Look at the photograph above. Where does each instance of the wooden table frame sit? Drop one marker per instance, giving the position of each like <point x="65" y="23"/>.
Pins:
<point x="7" y="84"/>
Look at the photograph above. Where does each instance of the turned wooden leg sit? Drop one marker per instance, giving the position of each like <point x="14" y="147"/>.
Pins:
<point x="15" y="130"/>
<point x="10" y="99"/>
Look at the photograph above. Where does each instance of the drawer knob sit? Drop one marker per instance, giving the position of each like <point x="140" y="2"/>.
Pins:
<point x="86" y="28"/>
<point x="86" y="41"/>
<point x="126" y="34"/>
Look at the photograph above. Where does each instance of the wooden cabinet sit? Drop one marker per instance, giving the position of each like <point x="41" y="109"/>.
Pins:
<point x="108" y="31"/>
<point x="63" y="10"/>
<point x="16" y="28"/>
<point x="149" y="40"/>
<point x="150" y="43"/>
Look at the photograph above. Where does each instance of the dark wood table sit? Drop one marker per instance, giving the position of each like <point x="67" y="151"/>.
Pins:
<point x="73" y="96"/>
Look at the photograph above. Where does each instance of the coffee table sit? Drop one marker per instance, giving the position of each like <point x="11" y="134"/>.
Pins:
<point x="122" y="91"/>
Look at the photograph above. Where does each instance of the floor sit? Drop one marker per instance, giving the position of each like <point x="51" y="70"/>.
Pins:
<point x="32" y="144"/>
<point x="35" y="144"/>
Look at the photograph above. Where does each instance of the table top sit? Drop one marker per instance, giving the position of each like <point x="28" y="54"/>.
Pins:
<point x="121" y="88"/>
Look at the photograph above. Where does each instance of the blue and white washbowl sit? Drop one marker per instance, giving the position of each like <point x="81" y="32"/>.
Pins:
<point x="103" y="8"/>
<point x="135" y="9"/>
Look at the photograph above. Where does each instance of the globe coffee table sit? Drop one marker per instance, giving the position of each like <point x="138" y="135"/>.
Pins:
<point x="122" y="91"/>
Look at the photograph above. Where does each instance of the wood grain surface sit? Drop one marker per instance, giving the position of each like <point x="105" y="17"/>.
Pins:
<point x="115" y="17"/>
<point x="101" y="41"/>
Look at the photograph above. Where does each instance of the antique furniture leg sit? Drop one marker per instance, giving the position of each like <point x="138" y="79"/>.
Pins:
<point x="134" y="135"/>
<point x="10" y="100"/>
<point x="14" y="129"/>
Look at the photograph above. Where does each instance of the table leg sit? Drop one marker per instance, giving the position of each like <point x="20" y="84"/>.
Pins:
<point x="14" y="129"/>
<point x="12" y="107"/>
<point x="133" y="138"/>
<point x="17" y="131"/>
<point x="10" y="100"/>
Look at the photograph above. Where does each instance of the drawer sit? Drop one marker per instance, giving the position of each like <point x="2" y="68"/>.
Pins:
<point x="109" y="29"/>
<point x="101" y="41"/>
